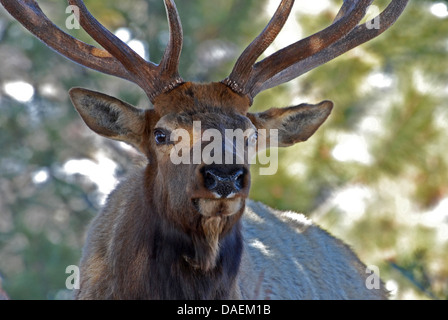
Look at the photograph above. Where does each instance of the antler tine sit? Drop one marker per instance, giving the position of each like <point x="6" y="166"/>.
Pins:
<point x="353" y="12"/>
<point x="118" y="59"/>
<point x="347" y="4"/>
<point x="243" y="66"/>
<point x="350" y="15"/>
<point x="29" y="14"/>
<point x="120" y="50"/>
<point x="170" y="60"/>
<point x="153" y="79"/>
<point x="358" y="36"/>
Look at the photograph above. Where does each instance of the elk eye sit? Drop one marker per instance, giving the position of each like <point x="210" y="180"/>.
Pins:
<point x="160" y="137"/>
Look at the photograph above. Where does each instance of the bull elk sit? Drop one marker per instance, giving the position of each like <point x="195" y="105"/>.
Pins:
<point x="187" y="230"/>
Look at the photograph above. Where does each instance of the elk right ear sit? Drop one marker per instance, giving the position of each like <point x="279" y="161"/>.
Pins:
<point x="109" y="116"/>
<point x="294" y="124"/>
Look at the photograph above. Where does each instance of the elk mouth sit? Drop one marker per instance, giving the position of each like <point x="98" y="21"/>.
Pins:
<point x="209" y="207"/>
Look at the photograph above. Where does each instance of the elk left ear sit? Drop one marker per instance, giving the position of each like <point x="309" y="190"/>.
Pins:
<point x="109" y="116"/>
<point x="294" y="124"/>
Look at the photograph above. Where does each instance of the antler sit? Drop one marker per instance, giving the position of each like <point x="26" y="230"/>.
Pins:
<point x="250" y="78"/>
<point x="117" y="59"/>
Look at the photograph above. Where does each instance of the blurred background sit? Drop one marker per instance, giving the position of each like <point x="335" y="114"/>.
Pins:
<point x="375" y="174"/>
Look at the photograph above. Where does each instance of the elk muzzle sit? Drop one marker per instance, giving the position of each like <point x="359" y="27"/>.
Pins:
<point x="222" y="189"/>
<point x="224" y="182"/>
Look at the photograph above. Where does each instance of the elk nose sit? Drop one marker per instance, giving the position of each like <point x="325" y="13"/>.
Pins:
<point x="223" y="181"/>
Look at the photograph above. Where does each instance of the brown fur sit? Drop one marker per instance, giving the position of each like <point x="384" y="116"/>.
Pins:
<point x="133" y="250"/>
<point x="197" y="96"/>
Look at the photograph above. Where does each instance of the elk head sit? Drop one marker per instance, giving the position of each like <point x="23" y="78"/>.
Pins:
<point x="207" y="188"/>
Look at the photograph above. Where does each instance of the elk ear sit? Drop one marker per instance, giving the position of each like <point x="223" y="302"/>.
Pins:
<point x="294" y="124"/>
<point x="108" y="116"/>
